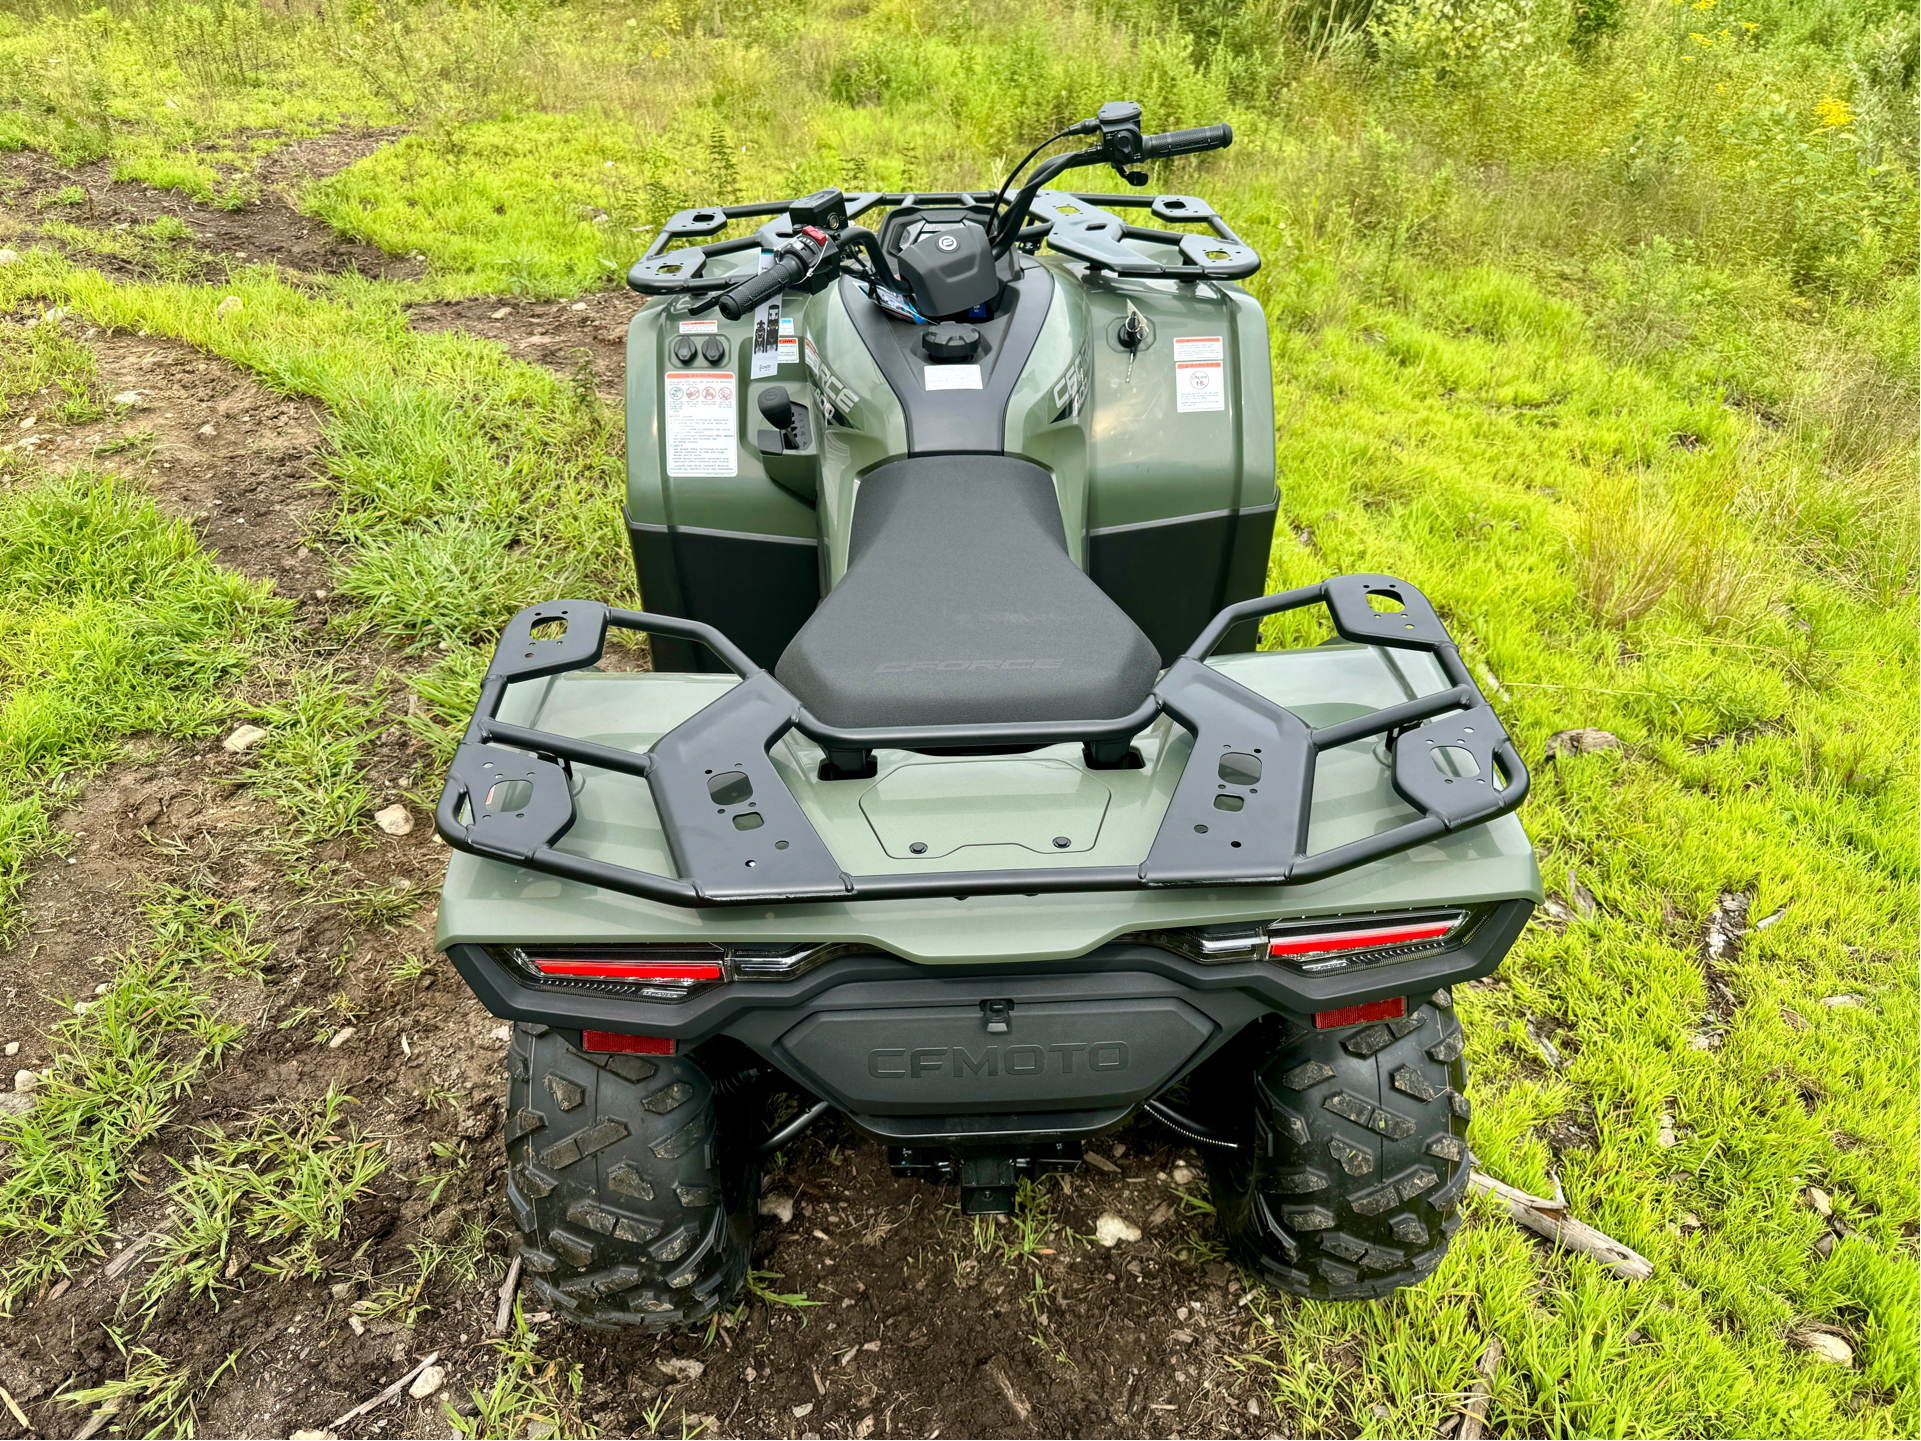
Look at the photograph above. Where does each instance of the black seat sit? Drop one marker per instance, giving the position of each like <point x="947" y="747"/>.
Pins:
<point x="960" y="605"/>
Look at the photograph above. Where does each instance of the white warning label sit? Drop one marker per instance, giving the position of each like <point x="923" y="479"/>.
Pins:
<point x="699" y="327"/>
<point x="700" y="423"/>
<point x="1198" y="385"/>
<point x="952" y="377"/>
<point x="1200" y="381"/>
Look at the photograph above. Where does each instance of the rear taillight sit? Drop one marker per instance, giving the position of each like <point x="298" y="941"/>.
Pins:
<point x="1315" y="941"/>
<point x="631" y="970"/>
<point x="1327" y="943"/>
<point x="662" y="971"/>
<point x="649" y="973"/>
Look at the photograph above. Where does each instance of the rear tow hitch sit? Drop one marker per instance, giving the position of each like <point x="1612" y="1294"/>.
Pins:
<point x="989" y="1176"/>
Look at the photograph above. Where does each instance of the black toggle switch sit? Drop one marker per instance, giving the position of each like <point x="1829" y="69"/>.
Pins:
<point x="684" y="350"/>
<point x="713" y="350"/>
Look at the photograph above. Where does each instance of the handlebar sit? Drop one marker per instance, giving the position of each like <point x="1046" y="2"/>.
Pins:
<point x="787" y="270"/>
<point x="1186" y="142"/>
<point x="1152" y="147"/>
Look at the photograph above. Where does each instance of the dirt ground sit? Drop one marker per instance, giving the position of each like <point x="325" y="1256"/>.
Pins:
<point x="269" y="231"/>
<point x="916" y="1324"/>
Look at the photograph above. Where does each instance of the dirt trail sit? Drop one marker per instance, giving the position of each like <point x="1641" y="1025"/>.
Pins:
<point x="561" y="335"/>
<point x="268" y="230"/>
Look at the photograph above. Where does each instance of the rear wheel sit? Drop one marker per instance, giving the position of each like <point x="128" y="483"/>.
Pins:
<point x="1355" y="1159"/>
<point x="634" y="1181"/>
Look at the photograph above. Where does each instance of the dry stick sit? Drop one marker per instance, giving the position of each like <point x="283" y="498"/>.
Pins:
<point x="1014" y="1398"/>
<point x="505" y="1309"/>
<point x="129" y="1254"/>
<point x="1550" y="1219"/>
<point x="96" y="1421"/>
<point x="14" y="1406"/>
<point x="1474" y="1411"/>
<point x="385" y="1396"/>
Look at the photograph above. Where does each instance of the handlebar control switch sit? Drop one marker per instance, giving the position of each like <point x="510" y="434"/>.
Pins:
<point x="713" y="350"/>
<point x="684" y="350"/>
<point x="1120" y="122"/>
<point x="950" y="342"/>
<point x="824" y="210"/>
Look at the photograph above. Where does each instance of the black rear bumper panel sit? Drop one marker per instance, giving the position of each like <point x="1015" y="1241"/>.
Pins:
<point x="824" y="1028"/>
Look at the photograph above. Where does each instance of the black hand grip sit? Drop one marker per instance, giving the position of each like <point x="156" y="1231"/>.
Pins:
<point x="764" y="286"/>
<point x="1186" y="142"/>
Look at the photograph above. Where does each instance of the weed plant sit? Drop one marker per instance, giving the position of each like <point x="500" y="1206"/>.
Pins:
<point x="125" y="1058"/>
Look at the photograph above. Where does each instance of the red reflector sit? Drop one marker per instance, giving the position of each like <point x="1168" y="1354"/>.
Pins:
<point x="1353" y="1015"/>
<point x="1359" y="940"/>
<point x="632" y="970"/>
<point x="621" y="1041"/>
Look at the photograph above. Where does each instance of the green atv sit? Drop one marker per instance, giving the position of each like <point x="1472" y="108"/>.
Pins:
<point x="958" y="799"/>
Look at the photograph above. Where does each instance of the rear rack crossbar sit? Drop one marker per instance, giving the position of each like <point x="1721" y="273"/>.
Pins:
<point x="738" y="835"/>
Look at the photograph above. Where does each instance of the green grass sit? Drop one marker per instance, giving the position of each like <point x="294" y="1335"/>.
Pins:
<point x="1597" y="322"/>
<point x="528" y="1392"/>
<point x="151" y="1391"/>
<point x="124" y="1060"/>
<point x="468" y="485"/>
<point x="280" y="1191"/>
<point x="118" y="623"/>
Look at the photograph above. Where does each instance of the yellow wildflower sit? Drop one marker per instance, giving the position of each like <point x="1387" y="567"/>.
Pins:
<point x="1833" y="114"/>
<point x="1705" y="4"/>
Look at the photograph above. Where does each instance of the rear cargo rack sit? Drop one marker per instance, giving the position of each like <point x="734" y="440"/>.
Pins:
<point x="1238" y="815"/>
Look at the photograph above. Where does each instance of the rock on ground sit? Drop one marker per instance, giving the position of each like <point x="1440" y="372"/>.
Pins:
<point x="395" y="820"/>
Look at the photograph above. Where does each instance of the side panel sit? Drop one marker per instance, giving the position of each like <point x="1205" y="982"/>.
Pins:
<point x="1180" y="437"/>
<point x="758" y="590"/>
<point x="739" y="552"/>
<point x="865" y="425"/>
<point x="1047" y="412"/>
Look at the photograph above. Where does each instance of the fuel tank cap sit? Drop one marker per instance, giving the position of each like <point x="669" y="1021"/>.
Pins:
<point x="950" y="341"/>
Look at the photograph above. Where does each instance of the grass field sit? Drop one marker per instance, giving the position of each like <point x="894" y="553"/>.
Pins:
<point x="1596" y="319"/>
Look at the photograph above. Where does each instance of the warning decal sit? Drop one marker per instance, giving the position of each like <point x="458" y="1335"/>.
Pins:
<point x="1200" y="376"/>
<point x="766" y="339"/>
<point x="700" y="423"/>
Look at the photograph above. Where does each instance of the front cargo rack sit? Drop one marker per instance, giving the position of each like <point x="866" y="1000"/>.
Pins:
<point x="1080" y="226"/>
<point x="738" y="836"/>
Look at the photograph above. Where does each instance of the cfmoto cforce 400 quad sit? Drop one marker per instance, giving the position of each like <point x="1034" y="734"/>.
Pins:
<point x="959" y="799"/>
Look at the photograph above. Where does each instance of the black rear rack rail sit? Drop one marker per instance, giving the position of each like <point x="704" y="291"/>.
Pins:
<point x="1238" y="816"/>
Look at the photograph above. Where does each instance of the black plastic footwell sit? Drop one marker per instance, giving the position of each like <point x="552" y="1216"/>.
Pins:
<point x="989" y="1176"/>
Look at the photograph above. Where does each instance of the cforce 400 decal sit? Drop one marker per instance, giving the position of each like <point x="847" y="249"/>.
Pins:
<point x="837" y="398"/>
